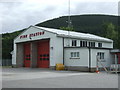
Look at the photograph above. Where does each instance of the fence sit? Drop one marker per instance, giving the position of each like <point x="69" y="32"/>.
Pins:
<point x="6" y="62"/>
<point x="115" y="68"/>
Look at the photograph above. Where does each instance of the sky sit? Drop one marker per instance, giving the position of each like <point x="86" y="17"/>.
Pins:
<point x="19" y="14"/>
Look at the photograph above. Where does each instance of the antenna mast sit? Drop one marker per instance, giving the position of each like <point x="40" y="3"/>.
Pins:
<point x="69" y="20"/>
<point x="69" y="23"/>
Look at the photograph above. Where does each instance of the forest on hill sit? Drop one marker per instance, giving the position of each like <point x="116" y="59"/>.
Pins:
<point x="82" y="23"/>
<point x="102" y="25"/>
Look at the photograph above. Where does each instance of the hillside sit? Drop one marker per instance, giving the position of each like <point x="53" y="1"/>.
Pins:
<point x="81" y="23"/>
<point x="7" y="43"/>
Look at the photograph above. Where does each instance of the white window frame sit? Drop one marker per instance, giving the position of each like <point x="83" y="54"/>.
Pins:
<point x="74" y="43"/>
<point x="83" y="43"/>
<point x="74" y="55"/>
<point x="101" y="56"/>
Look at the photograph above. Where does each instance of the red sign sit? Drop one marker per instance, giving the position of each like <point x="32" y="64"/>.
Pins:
<point x="32" y="35"/>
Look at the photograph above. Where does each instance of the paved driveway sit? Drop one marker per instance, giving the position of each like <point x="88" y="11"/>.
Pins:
<point x="43" y="78"/>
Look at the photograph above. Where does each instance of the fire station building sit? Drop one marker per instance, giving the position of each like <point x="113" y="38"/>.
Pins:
<point x="39" y="47"/>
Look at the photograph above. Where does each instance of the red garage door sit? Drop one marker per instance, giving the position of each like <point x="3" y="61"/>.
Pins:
<point x="43" y="54"/>
<point x="27" y="58"/>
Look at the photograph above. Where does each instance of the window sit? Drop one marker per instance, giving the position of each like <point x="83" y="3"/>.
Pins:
<point x="99" y="44"/>
<point x="91" y="44"/>
<point x="100" y="55"/>
<point x="72" y="54"/>
<point x="75" y="54"/>
<point x="74" y="42"/>
<point x="83" y="43"/>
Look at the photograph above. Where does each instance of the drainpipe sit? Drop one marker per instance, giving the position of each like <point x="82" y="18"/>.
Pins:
<point x="89" y="60"/>
<point x="63" y="51"/>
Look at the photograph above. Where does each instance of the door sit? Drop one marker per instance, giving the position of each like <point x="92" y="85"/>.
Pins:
<point x="43" y="54"/>
<point x="118" y="58"/>
<point x="27" y="56"/>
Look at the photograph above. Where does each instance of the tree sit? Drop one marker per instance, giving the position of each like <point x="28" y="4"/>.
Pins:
<point x="111" y="32"/>
<point x="67" y="28"/>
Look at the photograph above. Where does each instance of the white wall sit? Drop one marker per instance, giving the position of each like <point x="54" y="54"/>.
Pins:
<point x="108" y="57"/>
<point x="107" y="45"/>
<point x="57" y="51"/>
<point x="14" y="55"/>
<point x="84" y="57"/>
<point x="104" y="44"/>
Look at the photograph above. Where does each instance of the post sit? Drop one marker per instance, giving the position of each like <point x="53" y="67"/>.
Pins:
<point x="31" y="49"/>
<point x="116" y="63"/>
<point x="97" y="68"/>
<point x="33" y="54"/>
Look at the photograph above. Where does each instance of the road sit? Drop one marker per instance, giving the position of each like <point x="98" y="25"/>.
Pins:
<point x="43" y="78"/>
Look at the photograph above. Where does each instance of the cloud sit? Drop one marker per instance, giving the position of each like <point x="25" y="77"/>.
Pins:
<point x="96" y="8"/>
<point x="19" y="14"/>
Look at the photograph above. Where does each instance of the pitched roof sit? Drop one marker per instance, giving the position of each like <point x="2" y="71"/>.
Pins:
<point x="64" y="33"/>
